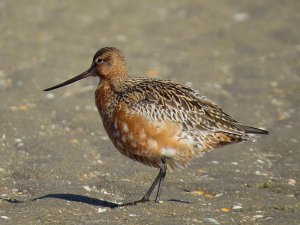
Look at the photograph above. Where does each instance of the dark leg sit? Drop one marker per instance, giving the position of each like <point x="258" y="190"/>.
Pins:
<point x="163" y="171"/>
<point x="159" y="179"/>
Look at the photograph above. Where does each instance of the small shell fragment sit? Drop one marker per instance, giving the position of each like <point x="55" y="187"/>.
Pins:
<point x="225" y="209"/>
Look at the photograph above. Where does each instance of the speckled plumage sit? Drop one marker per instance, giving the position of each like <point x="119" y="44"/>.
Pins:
<point x="200" y="121"/>
<point x="159" y="123"/>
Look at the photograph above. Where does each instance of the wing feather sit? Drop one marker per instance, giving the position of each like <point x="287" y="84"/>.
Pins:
<point x="166" y="100"/>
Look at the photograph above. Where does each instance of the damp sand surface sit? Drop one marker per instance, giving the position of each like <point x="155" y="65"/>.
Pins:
<point x="57" y="165"/>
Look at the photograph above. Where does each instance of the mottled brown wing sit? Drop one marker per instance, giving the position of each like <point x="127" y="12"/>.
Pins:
<point x="165" y="100"/>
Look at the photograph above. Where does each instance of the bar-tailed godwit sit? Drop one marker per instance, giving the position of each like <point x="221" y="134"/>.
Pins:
<point x="159" y="123"/>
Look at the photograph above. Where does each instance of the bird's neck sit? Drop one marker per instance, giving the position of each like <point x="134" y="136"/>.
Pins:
<point x="106" y="96"/>
<point x="117" y="83"/>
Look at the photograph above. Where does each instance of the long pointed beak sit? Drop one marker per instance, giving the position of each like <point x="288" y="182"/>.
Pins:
<point x="89" y="72"/>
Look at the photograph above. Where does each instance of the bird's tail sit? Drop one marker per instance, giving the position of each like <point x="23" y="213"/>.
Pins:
<point x="253" y="130"/>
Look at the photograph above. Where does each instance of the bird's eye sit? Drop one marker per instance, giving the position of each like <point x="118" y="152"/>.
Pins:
<point x="99" y="60"/>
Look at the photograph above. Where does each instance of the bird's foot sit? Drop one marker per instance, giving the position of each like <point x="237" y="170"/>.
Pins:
<point x="135" y="202"/>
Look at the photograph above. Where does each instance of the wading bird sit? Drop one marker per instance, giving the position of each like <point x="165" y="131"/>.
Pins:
<point x="159" y="123"/>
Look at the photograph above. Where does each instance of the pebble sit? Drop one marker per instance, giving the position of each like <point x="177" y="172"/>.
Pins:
<point x="18" y="140"/>
<point x="19" y="143"/>
<point x="132" y="215"/>
<point x="257" y="173"/>
<point x="258" y="216"/>
<point x="241" y="17"/>
<point x="104" y="138"/>
<point x="101" y="210"/>
<point x="260" y="161"/>
<point x="103" y="191"/>
<point x="261" y="174"/>
<point x="237" y="207"/>
<point x="5" y="217"/>
<point x="218" y="195"/>
<point x="291" y="182"/>
<point x="87" y="188"/>
<point x="212" y="220"/>
<point x="99" y="161"/>
<point x="50" y="95"/>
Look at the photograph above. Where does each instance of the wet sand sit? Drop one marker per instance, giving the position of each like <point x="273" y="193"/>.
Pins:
<point x="57" y="165"/>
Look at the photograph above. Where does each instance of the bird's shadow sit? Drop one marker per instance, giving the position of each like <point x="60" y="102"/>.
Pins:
<point x="81" y="199"/>
<point x="72" y="198"/>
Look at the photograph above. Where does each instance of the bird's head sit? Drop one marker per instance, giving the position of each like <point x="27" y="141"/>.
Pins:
<point x="108" y="64"/>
